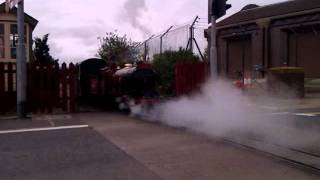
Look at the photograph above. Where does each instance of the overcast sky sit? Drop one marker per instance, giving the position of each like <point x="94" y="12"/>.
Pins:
<point x="75" y="25"/>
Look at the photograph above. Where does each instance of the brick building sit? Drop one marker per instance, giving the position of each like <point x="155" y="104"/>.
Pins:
<point x="9" y="34"/>
<point x="282" y="34"/>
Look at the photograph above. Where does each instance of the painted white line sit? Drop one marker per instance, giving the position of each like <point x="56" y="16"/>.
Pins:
<point x="270" y="107"/>
<point x="305" y="114"/>
<point x="43" y="129"/>
<point x="280" y="113"/>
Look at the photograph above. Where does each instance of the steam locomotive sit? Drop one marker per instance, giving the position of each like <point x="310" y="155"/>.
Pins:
<point x="131" y="86"/>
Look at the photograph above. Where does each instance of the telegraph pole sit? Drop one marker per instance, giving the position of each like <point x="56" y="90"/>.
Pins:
<point x="21" y="65"/>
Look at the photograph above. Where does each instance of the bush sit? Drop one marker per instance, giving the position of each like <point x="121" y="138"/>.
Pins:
<point x="164" y="65"/>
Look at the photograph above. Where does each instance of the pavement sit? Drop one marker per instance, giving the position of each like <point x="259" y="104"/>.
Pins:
<point x="178" y="154"/>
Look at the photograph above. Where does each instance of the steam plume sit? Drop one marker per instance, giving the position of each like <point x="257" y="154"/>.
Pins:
<point x="222" y="110"/>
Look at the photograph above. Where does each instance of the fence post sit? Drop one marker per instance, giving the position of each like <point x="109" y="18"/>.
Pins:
<point x="50" y="88"/>
<point x="10" y="77"/>
<point x="42" y="88"/>
<point x="63" y="77"/>
<point x="161" y="39"/>
<point x="56" y="84"/>
<point x="1" y="86"/>
<point x="34" y="90"/>
<point x="72" y="87"/>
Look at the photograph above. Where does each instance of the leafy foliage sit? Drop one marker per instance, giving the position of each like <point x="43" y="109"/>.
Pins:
<point x="118" y="49"/>
<point x="164" y="65"/>
<point x="42" y="50"/>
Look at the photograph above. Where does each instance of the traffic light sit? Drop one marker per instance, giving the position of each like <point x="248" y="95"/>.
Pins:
<point x="219" y="8"/>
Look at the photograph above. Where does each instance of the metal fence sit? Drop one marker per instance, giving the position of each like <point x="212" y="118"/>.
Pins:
<point x="187" y="36"/>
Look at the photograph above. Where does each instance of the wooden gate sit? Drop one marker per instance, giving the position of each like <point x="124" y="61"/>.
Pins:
<point x="189" y="77"/>
<point x="51" y="88"/>
<point x="7" y="87"/>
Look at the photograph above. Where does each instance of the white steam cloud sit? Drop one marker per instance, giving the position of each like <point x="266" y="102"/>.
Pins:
<point x="133" y="13"/>
<point x="224" y="111"/>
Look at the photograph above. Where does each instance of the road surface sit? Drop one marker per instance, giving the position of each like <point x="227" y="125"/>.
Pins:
<point x="176" y="154"/>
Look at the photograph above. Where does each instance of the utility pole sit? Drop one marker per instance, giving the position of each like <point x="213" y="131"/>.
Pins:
<point x="213" y="49"/>
<point x="21" y="65"/>
<point x="217" y="9"/>
<point x="161" y="38"/>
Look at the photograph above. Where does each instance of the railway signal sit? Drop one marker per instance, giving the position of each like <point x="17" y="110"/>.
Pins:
<point x="219" y="8"/>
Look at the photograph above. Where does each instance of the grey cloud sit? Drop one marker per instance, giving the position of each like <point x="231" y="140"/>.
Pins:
<point x="75" y="25"/>
<point x="88" y="34"/>
<point x="55" y="48"/>
<point x="133" y="11"/>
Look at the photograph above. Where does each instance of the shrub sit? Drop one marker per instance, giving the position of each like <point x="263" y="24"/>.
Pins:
<point x="164" y="65"/>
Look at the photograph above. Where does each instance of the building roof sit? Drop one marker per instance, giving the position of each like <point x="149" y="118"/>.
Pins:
<point x="253" y="13"/>
<point x="29" y="19"/>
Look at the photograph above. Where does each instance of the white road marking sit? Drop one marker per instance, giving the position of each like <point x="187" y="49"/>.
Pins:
<point x="305" y="114"/>
<point x="280" y="113"/>
<point x="43" y="129"/>
<point x="270" y="107"/>
<point x="296" y="114"/>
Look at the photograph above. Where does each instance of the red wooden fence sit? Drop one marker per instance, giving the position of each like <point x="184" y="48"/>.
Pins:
<point x="50" y="88"/>
<point x="7" y="87"/>
<point x="189" y="77"/>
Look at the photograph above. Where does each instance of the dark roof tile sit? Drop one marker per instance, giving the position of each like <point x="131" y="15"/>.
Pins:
<point x="32" y="21"/>
<point x="270" y="10"/>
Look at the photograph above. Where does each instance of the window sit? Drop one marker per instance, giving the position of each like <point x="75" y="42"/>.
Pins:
<point x="2" y="49"/>
<point x="14" y="39"/>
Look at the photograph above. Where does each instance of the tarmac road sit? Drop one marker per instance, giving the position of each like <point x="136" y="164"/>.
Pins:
<point x="127" y="148"/>
<point x="70" y="154"/>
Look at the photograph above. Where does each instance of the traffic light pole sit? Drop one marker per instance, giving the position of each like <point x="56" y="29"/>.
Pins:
<point x="21" y="65"/>
<point x="213" y="49"/>
<point x="217" y="9"/>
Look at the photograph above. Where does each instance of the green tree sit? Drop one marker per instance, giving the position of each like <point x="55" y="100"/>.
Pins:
<point x="118" y="49"/>
<point x="164" y="65"/>
<point x="42" y="50"/>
